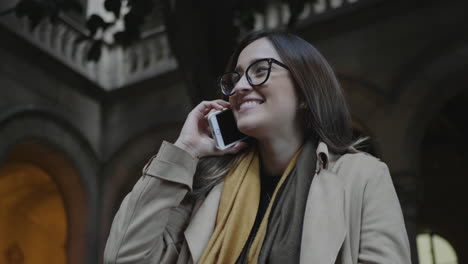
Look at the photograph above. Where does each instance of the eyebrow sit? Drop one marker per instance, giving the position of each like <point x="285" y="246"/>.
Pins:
<point x="250" y="63"/>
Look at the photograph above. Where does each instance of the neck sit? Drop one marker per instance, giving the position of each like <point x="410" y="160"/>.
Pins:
<point x="276" y="153"/>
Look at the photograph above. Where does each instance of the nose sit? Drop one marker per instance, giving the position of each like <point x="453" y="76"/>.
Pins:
<point x="242" y="85"/>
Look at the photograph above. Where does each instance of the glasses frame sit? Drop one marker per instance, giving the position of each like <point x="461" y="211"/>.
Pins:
<point x="270" y="62"/>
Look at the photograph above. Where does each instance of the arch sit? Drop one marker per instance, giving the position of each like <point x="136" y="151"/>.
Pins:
<point x="403" y="123"/>
<point x="437" y="83"/>
<point x="124" y="168"/>
<point x="52" y="145"/>
<point x="32" y="210"/>
<point x="47" y="115"/>
<point x="443" y="167"/>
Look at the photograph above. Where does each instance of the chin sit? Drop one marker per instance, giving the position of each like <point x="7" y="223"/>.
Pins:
<point x="251" y="129"/>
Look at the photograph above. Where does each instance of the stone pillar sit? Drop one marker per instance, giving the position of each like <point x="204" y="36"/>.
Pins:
<point x="410" y="195"/>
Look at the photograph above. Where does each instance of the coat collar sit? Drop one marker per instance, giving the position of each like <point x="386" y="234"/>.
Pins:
<point x="324" y="228"/>
<point x="324" y="222"/>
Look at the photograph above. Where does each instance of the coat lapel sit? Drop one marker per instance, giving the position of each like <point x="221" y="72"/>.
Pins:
<point x="203" y="222"/>
<point x="324" y="227"/>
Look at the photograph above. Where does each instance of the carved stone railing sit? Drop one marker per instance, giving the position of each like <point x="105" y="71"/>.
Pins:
<point x="151" y="56"/>
<point x="277" y="14"/>
<point x="116" y="68"/>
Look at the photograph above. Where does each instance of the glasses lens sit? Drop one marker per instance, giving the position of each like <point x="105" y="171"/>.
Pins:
<point x="228" y="81"/>
<point x="258" y="72"/>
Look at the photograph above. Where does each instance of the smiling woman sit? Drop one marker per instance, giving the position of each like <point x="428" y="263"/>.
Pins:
<point x="296" y="192"/>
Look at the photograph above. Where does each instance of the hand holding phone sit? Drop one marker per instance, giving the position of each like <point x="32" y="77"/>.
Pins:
<point x="195" y="136"/>
<point x="224" y="129"/>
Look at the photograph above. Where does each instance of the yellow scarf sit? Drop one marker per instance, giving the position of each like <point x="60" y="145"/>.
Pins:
<point x="237" y="211"/>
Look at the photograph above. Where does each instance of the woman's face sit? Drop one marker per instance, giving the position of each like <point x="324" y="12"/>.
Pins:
<point x="271" y="108"/>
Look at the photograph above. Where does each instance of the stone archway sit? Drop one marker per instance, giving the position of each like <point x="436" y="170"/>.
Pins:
<point x="54" y="147"/>
<point x="404" y="125"/>
<point x="58" y="191"/>
<point x="444" y="170"/>
<point x="33" y="220"/>
<point x="401" y="125"/>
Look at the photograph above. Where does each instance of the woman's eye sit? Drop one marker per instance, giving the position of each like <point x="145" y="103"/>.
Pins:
<point x="261" y="70"/>
<point x="235" y="79"/>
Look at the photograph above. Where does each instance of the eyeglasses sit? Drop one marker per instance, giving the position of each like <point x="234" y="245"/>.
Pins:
<point x="257" y="74"/>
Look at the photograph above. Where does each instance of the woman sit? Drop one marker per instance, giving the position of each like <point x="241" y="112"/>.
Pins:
<point x="298" y="192"/>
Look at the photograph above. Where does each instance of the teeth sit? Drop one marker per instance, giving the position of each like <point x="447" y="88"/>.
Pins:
<point x="249" y="104"/>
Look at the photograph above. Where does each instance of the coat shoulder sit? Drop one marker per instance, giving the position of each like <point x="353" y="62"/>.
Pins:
<point x="359" y="167"/>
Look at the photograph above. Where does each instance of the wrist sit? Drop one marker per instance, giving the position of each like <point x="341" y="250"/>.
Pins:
<point x="187" y="148"/>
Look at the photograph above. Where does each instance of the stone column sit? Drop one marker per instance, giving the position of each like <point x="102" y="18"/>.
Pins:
<point x="410" y="195"/>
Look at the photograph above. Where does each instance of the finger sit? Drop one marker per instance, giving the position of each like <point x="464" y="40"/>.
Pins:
<point x="203" y="106"/>
<point x="219" y="104"/>
<point x="214" y="150"/>
<point x="206" y="106"/>
<point x="205" y="129"/>
<point x="212" y="111"/>
<point x="208" y="111"/>
<point x="225" y="104"/>
<point x="219" y="107"/>
<point x="236" y="148"/>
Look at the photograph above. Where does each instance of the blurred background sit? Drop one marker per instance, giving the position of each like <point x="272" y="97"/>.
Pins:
<point x="90" y="88"/>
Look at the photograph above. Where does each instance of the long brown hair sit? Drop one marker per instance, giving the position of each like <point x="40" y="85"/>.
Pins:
<point x="325" y="116"/>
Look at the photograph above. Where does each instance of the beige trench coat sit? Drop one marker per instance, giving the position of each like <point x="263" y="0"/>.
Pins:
<point x="352" y="214"/>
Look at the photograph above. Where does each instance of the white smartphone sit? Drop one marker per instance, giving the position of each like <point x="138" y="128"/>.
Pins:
<point x="224" y="129"/>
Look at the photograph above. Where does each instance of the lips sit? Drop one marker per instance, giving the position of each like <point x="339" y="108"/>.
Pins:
<point x="249" y="104"/>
